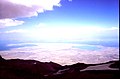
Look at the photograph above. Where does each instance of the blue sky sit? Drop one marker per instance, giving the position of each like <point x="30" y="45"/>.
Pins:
<point x="102" y="13"/>
<point x="60" y="21"/>
<point x="86" y="12"/>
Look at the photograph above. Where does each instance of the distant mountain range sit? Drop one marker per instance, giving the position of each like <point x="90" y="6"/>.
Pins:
<point x="31" y="69"/>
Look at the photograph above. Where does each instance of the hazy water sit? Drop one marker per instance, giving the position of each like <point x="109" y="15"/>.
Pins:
<point x="87" y="47"/>
<point x="5" y="46"/>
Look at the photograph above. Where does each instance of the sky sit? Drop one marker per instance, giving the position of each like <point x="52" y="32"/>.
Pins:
<point x="91" y="22"/>
<point x="59" y="20"/>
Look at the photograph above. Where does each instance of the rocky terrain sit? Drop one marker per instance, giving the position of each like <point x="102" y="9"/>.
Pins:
<point x="31" y="69"/>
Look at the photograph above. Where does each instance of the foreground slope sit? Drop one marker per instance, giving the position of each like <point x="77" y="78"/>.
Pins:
<point x="31" y="69"/>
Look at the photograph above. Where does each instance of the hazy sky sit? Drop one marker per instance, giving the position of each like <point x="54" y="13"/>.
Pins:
<point x="59" y="20"/>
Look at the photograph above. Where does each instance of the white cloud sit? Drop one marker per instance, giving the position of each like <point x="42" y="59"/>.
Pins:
<point x="9" y="22"/>
<point x="25" y="8"/>
<point x="10" y="9"/>
<point x="63" y="53"/>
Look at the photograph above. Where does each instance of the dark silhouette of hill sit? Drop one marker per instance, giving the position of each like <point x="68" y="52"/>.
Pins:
<point x="31" y="69"/>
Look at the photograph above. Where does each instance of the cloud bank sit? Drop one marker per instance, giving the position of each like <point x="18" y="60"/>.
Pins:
<point x="62" y="53"/>
<point x="10" y="9"/>
<point x="17" y="31"/>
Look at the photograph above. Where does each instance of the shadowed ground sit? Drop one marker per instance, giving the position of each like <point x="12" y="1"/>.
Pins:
<point x="31" y="69"/>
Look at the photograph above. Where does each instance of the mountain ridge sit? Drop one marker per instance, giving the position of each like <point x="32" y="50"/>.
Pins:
<point x="32" y="69"/>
